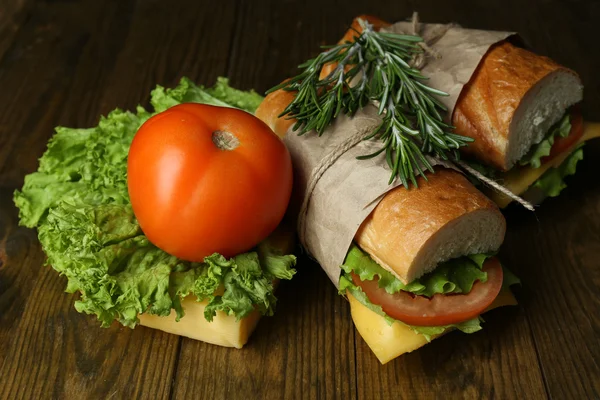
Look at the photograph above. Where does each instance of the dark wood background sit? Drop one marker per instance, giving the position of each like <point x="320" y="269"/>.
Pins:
<point x="67" y="62"/>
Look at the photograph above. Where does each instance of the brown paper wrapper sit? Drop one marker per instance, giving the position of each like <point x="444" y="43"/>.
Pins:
<point x="350" y="189"/>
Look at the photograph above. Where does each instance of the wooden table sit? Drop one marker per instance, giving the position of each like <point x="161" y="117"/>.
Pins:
<point x="67" y="62"/>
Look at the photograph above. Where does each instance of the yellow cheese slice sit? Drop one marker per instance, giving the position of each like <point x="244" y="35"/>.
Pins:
<point x="519" y="179"/>
<point x="224" y="330"/>
<point x="390" y="341"/>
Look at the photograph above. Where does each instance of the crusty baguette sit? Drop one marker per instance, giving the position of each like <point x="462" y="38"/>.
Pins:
<point x="411" y="231"/>
<point x="271" y="107"/>
<point x="510" y="103"/>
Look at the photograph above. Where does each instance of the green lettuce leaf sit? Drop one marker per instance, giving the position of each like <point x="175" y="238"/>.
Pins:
<point x="220" y="95"/>
<point x="79" y="202"/>
<point x="542" y="149"/>
<point x="469" y="326"/>
<point x="454" y="276"/>
<point x="248" y="101"/>
<point x="552" y="182"/>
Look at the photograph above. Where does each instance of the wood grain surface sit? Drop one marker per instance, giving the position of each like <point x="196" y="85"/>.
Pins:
<point x="67" y="62"/>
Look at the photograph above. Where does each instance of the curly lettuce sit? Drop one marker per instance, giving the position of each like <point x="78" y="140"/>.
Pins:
<point x="79" y="202"/>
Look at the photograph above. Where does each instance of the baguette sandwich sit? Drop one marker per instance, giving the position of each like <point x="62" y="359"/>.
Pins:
<point x="423" y="262"/>
<point x="521" y="110"/>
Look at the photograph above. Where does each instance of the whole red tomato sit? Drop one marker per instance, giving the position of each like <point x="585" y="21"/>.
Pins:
<point x="205" y="179"/>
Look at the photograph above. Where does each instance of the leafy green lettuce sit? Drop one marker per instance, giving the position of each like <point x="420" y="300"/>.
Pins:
<point x="219" y="95"/>
<point x="78" y="200"/>
<point x="552" y="182"/>
<point x="562" y="128"/>
<point x="451" y="277"/>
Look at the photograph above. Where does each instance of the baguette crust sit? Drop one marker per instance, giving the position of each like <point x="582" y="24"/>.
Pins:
<point x="268" y="111"/>
<point x="488" y="102"/>
<point x="412" y="230"/>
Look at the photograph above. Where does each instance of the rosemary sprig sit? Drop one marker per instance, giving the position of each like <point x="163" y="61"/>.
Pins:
<point x="376" y="68"/>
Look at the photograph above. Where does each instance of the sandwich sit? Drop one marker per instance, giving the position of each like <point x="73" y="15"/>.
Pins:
<point x="522" y="111"/>
<point x="80" y="201"/>
<point x="423" y="262"/>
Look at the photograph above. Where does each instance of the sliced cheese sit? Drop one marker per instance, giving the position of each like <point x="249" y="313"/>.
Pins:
<point x="224" y="330"/>
<point x="390" y="341"/>
<point x="519" y="179"/>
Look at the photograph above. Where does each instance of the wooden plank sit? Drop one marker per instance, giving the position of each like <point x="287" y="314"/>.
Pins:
<point x="71" y="61"/>
<point x="556" y="253"/>
<point x="305" y="351"/>
<point x="167" y="42"/>
<point x="28" y="75"/>
<point x="56" y="71"/>
<point x="52" y="76"/>
<point x="20" y="261"/>
<point x="12" y="16"/>
<point x="60" y="353"/>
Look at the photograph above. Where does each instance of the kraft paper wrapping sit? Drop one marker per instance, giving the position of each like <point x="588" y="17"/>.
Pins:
<point x="350" y="189"/>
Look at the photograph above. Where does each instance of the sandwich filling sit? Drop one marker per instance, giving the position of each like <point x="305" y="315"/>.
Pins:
<point x="561" y="138"/>
<point x="451" y="297"/>
<point x="542" y="171"/>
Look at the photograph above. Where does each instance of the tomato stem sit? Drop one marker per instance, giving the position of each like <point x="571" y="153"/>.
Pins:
<point x="225" y="140"/>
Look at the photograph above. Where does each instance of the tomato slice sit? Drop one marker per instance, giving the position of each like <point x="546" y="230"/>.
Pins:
<point x="441" y="309"/>
<point x="561" y="144"/>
